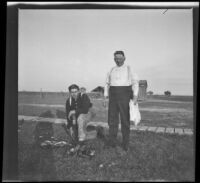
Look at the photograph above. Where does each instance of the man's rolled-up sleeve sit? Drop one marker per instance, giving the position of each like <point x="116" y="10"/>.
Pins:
<point x="107" y="84"/>
<point x="135" y="84"/>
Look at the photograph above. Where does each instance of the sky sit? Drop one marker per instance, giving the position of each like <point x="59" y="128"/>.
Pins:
<point x="60" y="47"/>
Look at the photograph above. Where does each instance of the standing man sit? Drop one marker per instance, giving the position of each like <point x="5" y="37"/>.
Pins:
<point x="121" y="86"/>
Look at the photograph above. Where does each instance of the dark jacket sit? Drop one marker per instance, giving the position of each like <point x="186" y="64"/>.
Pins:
<point x="81" y="105"/>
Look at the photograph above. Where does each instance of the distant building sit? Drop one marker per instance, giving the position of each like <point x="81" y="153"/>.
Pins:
<point x="142" y="90"/>
<point x="99" y="89"/>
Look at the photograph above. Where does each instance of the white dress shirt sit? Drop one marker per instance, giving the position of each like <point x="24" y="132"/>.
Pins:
<point x="122" y="76"/>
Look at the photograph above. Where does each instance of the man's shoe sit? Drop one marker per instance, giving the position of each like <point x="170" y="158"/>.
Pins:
<point x="125" y="146"/>
<point x="109" y="144"/>
<point x="121" y="151"/>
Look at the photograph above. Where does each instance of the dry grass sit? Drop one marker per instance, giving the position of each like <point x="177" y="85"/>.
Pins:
<point x="152" y="156"/>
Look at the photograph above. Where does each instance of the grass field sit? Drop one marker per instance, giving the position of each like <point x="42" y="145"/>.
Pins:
<point x="152" y="156"/>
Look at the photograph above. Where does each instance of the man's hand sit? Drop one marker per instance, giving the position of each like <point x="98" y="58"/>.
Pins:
<point x="71" y="113"/>
<point x="135" y="98"/>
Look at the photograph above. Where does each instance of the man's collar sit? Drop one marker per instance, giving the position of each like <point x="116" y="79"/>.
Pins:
<point x="124" y="65"/>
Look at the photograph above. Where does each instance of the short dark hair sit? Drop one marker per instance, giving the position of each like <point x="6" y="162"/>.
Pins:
<point x="119" y="52"/>
<point x="73" y="86"/>
<point x="82" y="88"/>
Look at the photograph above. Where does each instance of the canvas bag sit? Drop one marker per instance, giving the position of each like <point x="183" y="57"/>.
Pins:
<point x="134" y="112"/>
<point x="135" y="115"/>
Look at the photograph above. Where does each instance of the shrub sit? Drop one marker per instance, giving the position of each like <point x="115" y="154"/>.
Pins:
<point x="167" y="93"/>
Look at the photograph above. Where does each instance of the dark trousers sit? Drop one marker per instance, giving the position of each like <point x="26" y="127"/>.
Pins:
<point x="119" y="97"/>
<point x="74" y="127"/>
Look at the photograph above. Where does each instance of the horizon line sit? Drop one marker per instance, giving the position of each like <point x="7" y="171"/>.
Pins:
<point x="94" y="92"/>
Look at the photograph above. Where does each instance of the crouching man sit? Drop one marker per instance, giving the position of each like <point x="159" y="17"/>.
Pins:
<point x="78" y="113"/>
